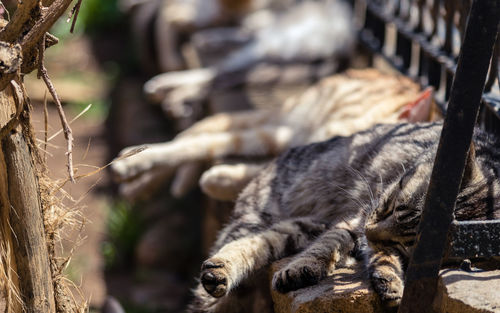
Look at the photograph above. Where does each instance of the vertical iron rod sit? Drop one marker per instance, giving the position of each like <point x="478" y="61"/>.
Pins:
<point x="454" y="144"/>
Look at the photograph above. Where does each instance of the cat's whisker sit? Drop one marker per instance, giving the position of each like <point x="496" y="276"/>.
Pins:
<point x="357" y="200"/>
<point x="367" y="184"/>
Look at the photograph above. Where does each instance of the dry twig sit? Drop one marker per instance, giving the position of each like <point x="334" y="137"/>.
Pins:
<point x="42" y="25"/>
<point x="71" y="122"/>
<point x="68" y="135"/>
<point x="21" y="16"/>
<point x="46" y="124"/>
<point x="5" y="10"/>
<point x="74" y="13"/>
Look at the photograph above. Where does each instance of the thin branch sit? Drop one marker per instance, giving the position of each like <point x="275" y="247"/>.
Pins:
<point x="12" y="31"/>
<point x="42" y="25"/>
<point x="46" y="123"/>
<point x="71" y="122"/>
<point x="42" y="72"/>
<point x="74" y="14"/>
<point x="5" y="9"/>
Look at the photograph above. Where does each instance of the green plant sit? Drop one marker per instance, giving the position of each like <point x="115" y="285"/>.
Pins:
<point x="98" y="14"/>
<point x="124" y="228"/>
<point x="94" y="16"/>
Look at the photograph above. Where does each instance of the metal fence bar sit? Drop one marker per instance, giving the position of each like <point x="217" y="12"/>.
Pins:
<point x="473" y="239"/>
<point x="454" y="144"/>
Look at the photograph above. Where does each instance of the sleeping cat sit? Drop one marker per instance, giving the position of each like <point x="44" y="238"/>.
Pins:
<point x="323" y="202"/>
<point x="306" y="32"/>
<point x="162" y="26"/>
<point x="338" y="105"/>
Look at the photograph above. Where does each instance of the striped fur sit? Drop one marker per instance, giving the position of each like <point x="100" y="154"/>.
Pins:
<point x="338" y="105"/>
<point x="357" y="195"/>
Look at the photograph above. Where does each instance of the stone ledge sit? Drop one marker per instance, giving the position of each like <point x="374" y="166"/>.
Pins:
<point x="468" y="292"/>
<point x="348" y="291"/>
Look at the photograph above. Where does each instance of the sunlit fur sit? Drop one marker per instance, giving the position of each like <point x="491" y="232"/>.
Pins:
<point x="357" y="195"/>
<point x="338" y="105"/>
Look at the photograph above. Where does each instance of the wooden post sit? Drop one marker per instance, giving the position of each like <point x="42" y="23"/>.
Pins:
<point x="26" y="222"/>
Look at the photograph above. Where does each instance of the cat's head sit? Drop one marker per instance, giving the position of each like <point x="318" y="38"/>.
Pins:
<point x="397" y="214"/>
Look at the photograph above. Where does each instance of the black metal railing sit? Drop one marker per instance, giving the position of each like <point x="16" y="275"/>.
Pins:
<point x="451" y="45"/>
<point x="421" y="39"/>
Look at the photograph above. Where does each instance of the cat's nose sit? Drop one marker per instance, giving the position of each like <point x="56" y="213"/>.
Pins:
<point x="379" y="231"/>
<point x="370" y="232"/>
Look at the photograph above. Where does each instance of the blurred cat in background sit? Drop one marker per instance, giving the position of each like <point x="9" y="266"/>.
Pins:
<point x="306" y="32"/>
<point x="338" y="105"/>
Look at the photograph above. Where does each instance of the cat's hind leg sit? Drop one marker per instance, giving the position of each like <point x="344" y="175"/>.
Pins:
<point x="237" y="259"/>
<point x="226" y="181"/>
<point x="312" y="264"/>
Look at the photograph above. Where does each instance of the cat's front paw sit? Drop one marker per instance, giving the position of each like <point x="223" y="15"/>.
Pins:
<point x="298" y="274"/>
<point x="389" y="286"/>
<point x="131" y="162"/>
<point x="214" y="277"/>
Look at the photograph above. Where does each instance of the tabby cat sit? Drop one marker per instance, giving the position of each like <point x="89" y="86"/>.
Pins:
<point x="338" y="105"/>
<point x="356" y="195"/>
<point x="278" y="37"/>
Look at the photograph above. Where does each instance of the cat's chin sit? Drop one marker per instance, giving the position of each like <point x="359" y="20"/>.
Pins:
<point x="392" y="307"/>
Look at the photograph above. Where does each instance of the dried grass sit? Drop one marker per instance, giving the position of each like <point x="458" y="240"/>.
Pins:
<point x="61" y="216"/>
<point x="59" y="219"/>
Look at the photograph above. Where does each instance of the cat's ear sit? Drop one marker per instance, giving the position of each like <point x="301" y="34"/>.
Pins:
<point x="472" y="172"/>
<point x="420" y="109"/>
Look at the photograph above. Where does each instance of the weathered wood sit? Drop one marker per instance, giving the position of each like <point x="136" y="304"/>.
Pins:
<point x="30" y="249"/>
<point x="7" y="244"/>
<point x="27" y="224"/>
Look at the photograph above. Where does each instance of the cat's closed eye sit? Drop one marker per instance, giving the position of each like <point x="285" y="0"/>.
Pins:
<point x="400" y="208"/>
<point x="406" y="215"/>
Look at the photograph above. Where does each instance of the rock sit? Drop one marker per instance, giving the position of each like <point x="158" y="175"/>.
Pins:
<point x="345" y="290"/>
<point x="468" y="292"/>
<point x="348" y="291"/>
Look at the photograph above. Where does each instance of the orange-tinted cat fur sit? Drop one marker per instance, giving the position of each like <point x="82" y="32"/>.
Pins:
<point x="341" y="104"/>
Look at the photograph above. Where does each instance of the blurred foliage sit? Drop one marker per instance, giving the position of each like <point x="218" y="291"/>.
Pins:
<point x="95" y="16"/>
<point x="124" y="228"/>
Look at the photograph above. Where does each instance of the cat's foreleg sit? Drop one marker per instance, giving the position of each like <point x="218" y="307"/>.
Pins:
<point x="136" y="160"/>
<point x="312" y="264"/>
<point x="386" y="273"/>
<point x="222" y="122"/>
<point x="237" y="259"/>
<point x="167" y="40"/>
<point x="226" y="181"/>
<point x="262" y="141"/>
